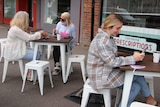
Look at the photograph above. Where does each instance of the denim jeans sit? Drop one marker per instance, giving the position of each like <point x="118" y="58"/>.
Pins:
<point x="30" y="53"/>
<point x="139" y="84"/>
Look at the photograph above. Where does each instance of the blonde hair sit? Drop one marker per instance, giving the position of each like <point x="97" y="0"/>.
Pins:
<point x="67" y="16"/>
<point x="21" y="20"/>
<point x="112" y="20"/>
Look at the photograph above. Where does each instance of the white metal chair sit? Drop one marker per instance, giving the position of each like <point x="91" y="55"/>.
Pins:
<point x="3" y="44"/>
<point x="38" y="68"/>
<point x="6" y="62"/>
<point x="87" y="89"/>
<point x="76" y="58"/>
<point x="139" y="104"/>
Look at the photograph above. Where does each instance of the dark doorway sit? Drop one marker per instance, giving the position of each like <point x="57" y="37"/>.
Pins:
<point x="30" y="12"/>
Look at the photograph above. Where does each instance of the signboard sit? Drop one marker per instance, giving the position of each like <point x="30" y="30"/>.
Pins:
<point x="135" y="43"/>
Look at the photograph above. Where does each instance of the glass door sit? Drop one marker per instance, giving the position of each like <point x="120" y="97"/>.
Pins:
<point x="9" y="8"/>
<point x="53" y="10"/>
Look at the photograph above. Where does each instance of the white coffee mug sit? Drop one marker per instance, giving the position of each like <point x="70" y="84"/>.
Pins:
<point x="58" y="37"/>
<point x="156" y="56"/>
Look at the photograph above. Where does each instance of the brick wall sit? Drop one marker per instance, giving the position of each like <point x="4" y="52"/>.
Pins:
<point x="1" y="11"/>
<point x="86" y="26"/>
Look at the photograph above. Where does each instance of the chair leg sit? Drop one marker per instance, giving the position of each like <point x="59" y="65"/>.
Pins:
<point x="40" y="80"/>
<point x="85" y="97"/>
<point x="24" y="78"/>
<point x="107" y="98"/>
<point x="1" y="56"/>
<point x="21" y="67"/>
<point x="83" y="71"/>
<point x="34" y="76"/>
<point x="68" y="70"/>
<point x="118" y="97"/>
<point x="150" y="82"/>
<point x="0" y="59"/>
<point x="50" y="76"/>
<point x="2" y="51"/>
<point x="49" y="51"/>
<point x="151" y="87"/>
<point x="5" y="70"/>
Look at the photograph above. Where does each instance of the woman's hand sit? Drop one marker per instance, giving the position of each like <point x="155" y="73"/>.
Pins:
<point x="28" y="30"/>
<point x="138" y="56"/>
<point x="44" y="34"/>
<point x="54" y="30"/>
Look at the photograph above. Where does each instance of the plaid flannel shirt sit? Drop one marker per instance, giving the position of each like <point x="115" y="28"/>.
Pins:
<point x="103" y="63"/>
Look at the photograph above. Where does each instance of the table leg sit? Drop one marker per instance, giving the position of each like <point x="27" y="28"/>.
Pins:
<point x="43" y="51"/>
<point x="35" y="51"/>
<point x="63" y="61"/>
<point x="69" y="50"/>
<point x="127" y="87"/>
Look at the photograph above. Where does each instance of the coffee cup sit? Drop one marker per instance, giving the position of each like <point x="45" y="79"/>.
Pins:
<point x="58" y="37"/>
<point x="156" y="56"/>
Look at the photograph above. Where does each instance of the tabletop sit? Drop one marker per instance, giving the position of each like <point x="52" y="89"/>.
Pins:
<point x="54" y="39"/>
<point x="147" y="62"/>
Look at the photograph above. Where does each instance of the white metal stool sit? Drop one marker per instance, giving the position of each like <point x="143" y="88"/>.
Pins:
<point x="87" y="89"/>
<point x="76" y="58"/>
<point x="6" y="62"/>
<point x="38" y="69"/>
<point x="150" y="82"/>
<point x="139" y="104"/>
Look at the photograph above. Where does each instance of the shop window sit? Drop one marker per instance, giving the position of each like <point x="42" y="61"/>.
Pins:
<point x="9" y="8"/>
<point x="53" y="10"/>
<point x="139" y="13"/>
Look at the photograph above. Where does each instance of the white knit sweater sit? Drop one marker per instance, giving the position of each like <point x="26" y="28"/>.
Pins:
<point x="16" y="43"/>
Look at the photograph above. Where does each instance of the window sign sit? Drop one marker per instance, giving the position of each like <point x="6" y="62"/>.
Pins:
<point x="53" y="10"/>
<point x="135" y="43"/>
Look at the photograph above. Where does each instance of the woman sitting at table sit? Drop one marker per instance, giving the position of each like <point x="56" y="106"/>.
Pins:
<point x="65" y="28"/>
<point x="18" y="37"/>
<point x="103" y="62"/>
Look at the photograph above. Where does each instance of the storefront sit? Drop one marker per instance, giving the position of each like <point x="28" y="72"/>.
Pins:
<point x="140" y="13"/>
<point x="141" y="21"/>
<point x="43" y="13"/>
<point x="10" y="7"/>
<point x="87" y="15"/>
<point x="50" y="11"/>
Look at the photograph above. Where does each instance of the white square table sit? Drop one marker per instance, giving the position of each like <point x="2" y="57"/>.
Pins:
<point x="151" y="70"/>
<point x="52" y="40"/>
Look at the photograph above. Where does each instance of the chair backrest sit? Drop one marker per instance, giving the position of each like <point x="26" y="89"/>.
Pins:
<point x="139" y="104"/>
